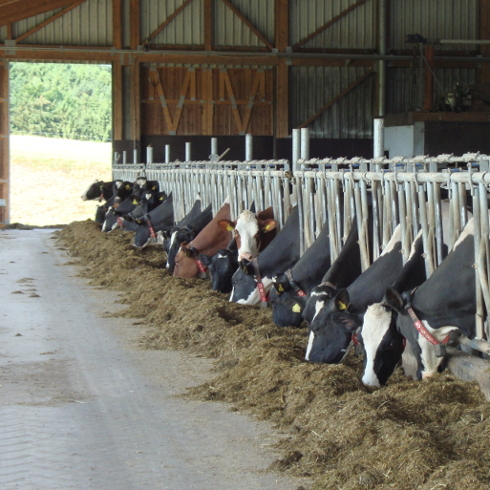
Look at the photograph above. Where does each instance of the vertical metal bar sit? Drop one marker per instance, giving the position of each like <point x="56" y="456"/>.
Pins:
<point x="248" y="147"/>
<point x="296" y="152"/>
<point x="167" y="153"/>
<point x="305" y="143"/>
<point x="188" y="157"/>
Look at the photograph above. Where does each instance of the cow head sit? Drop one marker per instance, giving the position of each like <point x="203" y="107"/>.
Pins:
<point x="177" y="237"/>
<point x="187" y="263"/>
<point x="248" y="230"/>
<point x="382" y="344"/>
<point x="287" y="306"/>
<point x="429" y="359"/>
<point x="244" y="283"/>
<point x="331" y="330"/>
<point x="93" y="192"/>
<point x="221" y="266"/>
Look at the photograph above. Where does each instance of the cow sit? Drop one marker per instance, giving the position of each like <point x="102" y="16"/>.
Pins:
<point x="337" y="319"/>
<point x="141" y="185"/>
<point x="252" y="281"/>
<point x="115" y="213"/>
<point x="159" y="219"/>
<point x="102" y="191"/>
<point x="222" y="266"/>
<point x="186" y="234"/>
<point x="289" y="294"/>
<point x="211" y="239"/>
<point x="381" y="342"/>
<point x="445" y="302"/>
<point x="252" y="232"/>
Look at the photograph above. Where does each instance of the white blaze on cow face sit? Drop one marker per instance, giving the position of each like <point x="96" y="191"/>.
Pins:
<point x="430" y="361"/>
<point x="318" y="307"/>
<point x="376" y="324"/>
<point x="247" y="232"/>
<point x="173" y="239"/>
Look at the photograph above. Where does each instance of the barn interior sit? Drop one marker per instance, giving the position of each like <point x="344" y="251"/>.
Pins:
<point x="188" y="70"/>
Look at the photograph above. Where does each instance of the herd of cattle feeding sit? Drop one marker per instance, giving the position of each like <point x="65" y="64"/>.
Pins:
<point x="390" y="302"/>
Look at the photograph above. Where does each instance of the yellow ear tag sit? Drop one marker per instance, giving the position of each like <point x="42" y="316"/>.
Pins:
<point x="153" y="188"/>
<point x="296" y="308"/>
<point x="135" y="202"/>
<point x="161" y="199"/>
<point x="342" y="306"/>
<point x="281" y="289"/>
<point x="128" y="187"/>
<point x="229" y="228"/>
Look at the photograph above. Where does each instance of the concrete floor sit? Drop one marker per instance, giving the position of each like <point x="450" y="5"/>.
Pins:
<point x="82" y="408"/>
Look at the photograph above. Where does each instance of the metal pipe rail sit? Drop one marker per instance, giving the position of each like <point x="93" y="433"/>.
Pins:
<point x="379" y="194"/>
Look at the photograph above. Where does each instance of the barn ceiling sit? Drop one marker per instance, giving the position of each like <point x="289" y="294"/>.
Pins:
<point x="15" y="10"/>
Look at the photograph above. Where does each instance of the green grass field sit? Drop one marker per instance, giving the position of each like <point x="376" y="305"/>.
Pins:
<point x="48" y="176"/>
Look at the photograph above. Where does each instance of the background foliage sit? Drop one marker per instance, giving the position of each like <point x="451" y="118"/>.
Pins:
<point x="61" y="100"/>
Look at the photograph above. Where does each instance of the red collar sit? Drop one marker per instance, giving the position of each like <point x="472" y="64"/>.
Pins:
<point x="260" y="284"/>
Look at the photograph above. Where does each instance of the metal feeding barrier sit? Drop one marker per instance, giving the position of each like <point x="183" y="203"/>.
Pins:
<point x="430" y="195"/>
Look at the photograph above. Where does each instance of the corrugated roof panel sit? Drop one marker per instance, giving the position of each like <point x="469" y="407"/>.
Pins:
<point x="89" y="24"/>
<point x="185" y="29"/>
<point x="357" y="29"/>
<point x="312" y="88"/>
<point x="230" y="30"/>
<point x="437" y="19"/>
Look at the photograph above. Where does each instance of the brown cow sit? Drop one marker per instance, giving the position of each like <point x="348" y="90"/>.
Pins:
<point x="211" y="239"/>
<point x="253" y="232"/>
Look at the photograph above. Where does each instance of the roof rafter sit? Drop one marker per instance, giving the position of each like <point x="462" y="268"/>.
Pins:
<point x="15" y="10"/>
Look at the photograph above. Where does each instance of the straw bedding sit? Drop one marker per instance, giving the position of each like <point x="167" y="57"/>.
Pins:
<point x="409" y="435"/>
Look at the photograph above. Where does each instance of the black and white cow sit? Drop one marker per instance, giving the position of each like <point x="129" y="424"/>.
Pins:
<point x="115" y="213"/>
<point x="100" y="190"/>
<point x="381" y="342"/>
<point x="446" y="301"/>
<point x="222" y="266"/>
<point x="336" y="319"/>
<point x="252" y="281"/>
<point x="288" y="297"/>
<point x="192" y="226"/>
<point x="160" y="219"/>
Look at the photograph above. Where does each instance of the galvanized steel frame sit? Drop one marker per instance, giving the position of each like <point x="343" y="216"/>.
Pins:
<point x="404" y="191"/>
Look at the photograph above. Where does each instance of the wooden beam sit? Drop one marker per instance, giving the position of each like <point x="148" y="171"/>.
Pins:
<point x="30" y="32"/>
<point x="208" y="25"/>
<point x="281" y="101"/>
<point x="134" y="26"/>
<point x="167" y="21"/>
<point x="330" y="23"/>
<point x="15" y="10"/>
<point x="337" y="98"/>
<point x="281" y="10"/>
<point x="117" y="20"/>
<point x="248" y="23"/>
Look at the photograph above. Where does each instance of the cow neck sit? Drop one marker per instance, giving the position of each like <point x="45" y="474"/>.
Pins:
<point x="294" y="284"/>
<point x="419" y="326"/>
<point x="258" y="279"/>
<point x="150" y="226"/>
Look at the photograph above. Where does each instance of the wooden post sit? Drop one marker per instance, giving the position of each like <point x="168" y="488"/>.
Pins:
<point x="4" y="144"/>
<point x="117" y="101"/>
<point x="281" y="102"/>
<point x="134" y="14"/>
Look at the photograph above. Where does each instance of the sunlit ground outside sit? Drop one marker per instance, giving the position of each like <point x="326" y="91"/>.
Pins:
<point x="48" y="176"/>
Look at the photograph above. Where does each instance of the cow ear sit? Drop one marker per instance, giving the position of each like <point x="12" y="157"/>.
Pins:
<point x="394" y="300"/>
<point x="268" y="225"/>
<point x="280" y="283"/>
<point x="205" y="259"/>
<point x="247" y="267"/>
<point x="342" y="300"/>
<point x="226" y="224"/>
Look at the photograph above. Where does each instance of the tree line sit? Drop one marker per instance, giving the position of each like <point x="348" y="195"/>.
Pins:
<point x="71" y="101"/>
